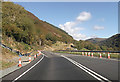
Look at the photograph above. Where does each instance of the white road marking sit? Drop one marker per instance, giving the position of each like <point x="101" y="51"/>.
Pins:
<point x="92" y="73"/>
<point x="28" y="69"/>
<point x="45" y="55"/>
<point x="96" y="57"/>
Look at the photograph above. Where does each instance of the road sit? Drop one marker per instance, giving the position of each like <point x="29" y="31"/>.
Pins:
<point x="52" y="66"/>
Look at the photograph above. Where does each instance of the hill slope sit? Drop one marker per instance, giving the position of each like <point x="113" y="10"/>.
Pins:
<point x="23" y="26"/>
<point x="96" y="40"/>
<point x="112" y="42"/>
<point x="24" y="31"/>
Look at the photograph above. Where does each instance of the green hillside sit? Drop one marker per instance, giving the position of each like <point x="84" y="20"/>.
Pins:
<point x="24" y="31"/>
<point x="86" y="45"/>
<point x="113" y="43"/>
<point x="96" y="40"/>
<point x="23" y="26"/>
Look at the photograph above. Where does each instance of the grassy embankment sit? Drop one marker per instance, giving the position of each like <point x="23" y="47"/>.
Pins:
<point x="7" y="57"/>
<point x="112" y="55"/>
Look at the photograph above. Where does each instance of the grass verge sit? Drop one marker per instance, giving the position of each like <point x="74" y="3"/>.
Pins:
<point x="6" y="64"/>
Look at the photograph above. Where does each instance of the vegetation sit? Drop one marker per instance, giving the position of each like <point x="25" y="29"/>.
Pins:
<point x="80" y="45"/>
<point x="112" y="43"/>
<point x="32" y="33"/>
<point x="6" y="57"/>
<point x="7" y="64"/>
<point x="96" y="40"/>
<point x="24" y="27"/>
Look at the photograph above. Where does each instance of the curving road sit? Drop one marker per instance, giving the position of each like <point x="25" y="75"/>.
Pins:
<point x="53" y="66"/>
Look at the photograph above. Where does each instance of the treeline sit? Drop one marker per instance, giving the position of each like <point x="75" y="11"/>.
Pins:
<point x="86" y="45"/>
<point x="112" y="44"/>
<point x="23" y="26"/>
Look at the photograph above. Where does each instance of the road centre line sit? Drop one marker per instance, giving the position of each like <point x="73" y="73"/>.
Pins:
<point x="28" y="69"/>
<point x="96" y="57"/>
<point x="45" y="55"/>
<point x="92" y="73"/>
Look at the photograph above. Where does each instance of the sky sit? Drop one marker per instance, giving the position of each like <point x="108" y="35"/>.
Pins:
<point x="63" y="0"/>
<point x="81" y="20"/>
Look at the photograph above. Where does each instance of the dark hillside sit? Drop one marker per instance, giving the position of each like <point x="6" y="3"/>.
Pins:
<point x="112" y="42"/>
<point x="96" y="40"/>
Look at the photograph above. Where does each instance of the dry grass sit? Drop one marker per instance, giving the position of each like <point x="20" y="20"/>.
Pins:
<point x="7" y="58"/>
<point x="6" y="64"/>
<point x="57" y="46"/>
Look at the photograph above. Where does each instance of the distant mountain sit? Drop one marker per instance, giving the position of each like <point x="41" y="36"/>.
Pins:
<point x="112" y="42"/>
<point x="96" y="40"/>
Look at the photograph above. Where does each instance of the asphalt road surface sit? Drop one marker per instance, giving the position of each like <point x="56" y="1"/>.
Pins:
<point x="50" y="66"/>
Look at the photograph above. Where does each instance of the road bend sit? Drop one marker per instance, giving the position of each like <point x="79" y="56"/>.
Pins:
<point x="50" y="66"/>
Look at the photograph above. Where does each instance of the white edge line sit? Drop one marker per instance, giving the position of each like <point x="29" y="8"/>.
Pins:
<point x="85" y="69"/>
<point x="111" y="59"/>
<point x="28" y="69"/>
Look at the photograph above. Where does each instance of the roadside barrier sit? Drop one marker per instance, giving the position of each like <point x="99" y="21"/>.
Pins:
<point x="108" y="55"/>
<point x="29" y="58"/>
<point x="100" y="55"/>
<point x="88" y="53"/>
<point x="35" y="56"/>
<point x="92" y="54"/>
<point x="83" y="53"/>
<point x="19" y="65"/>
<point x="39" y="52"/>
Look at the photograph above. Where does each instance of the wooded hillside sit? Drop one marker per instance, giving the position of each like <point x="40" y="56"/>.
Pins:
<point x="25" y="27"/>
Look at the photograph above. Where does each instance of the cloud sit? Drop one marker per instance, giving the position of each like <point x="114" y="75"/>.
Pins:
<point x="83" y="36"/>
<point x="79" y="36"/>
<point x="84" y="16"/>
<point x="98" y="27"/>
<point x="72" y="26"/>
